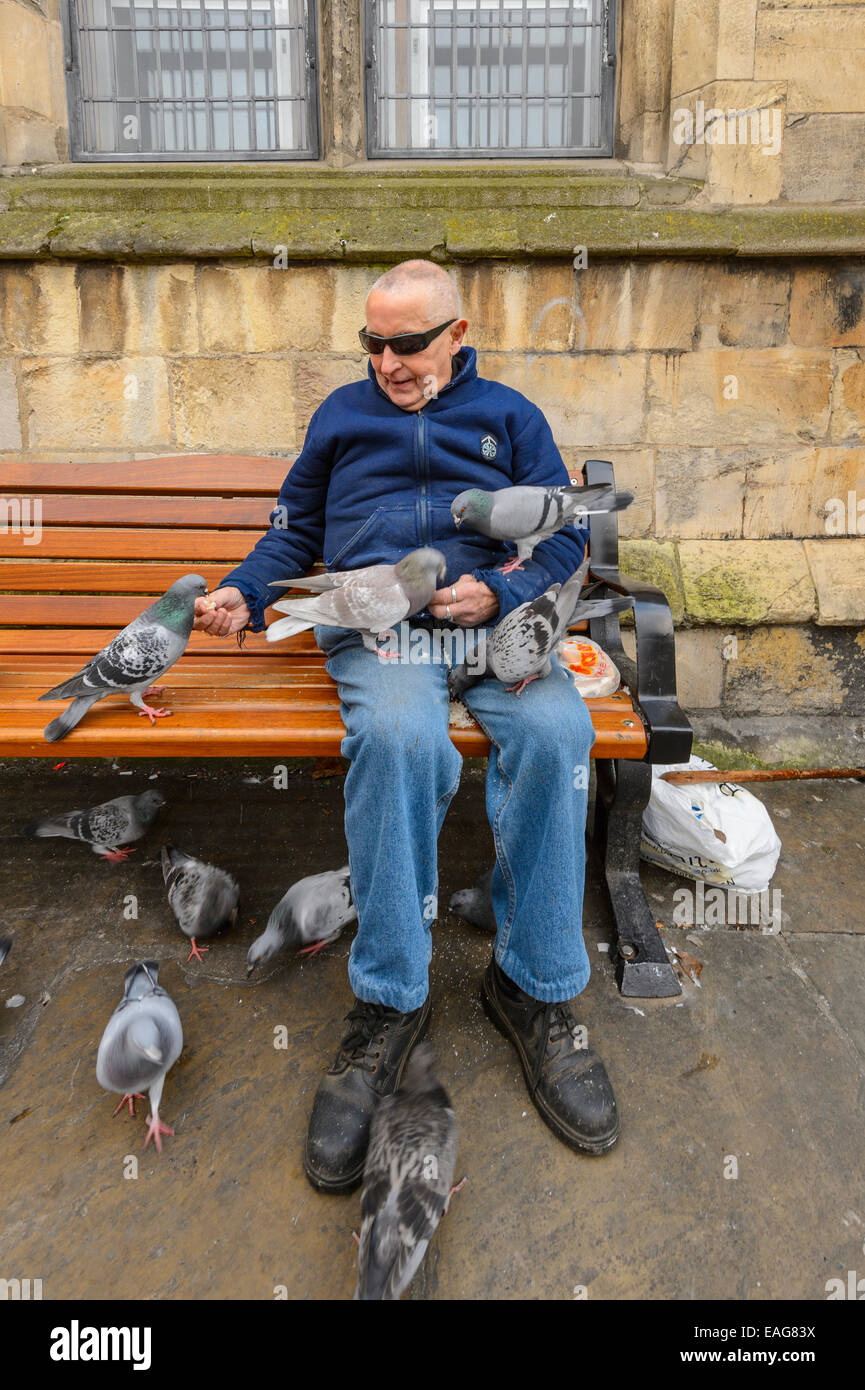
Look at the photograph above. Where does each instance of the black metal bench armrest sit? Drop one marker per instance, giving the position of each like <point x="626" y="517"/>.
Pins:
<point x="652" y="678"/>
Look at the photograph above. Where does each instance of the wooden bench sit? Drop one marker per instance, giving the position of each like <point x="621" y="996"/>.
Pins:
<point x="113" y="536"/>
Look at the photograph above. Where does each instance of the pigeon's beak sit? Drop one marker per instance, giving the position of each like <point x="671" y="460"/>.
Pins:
<point x="249" y="970"/>
<point x="458" y="520"/>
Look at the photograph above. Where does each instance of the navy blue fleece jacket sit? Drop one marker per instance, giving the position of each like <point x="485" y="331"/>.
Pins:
<point x="374" y="481"/>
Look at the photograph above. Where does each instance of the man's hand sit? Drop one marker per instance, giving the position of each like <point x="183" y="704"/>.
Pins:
<point x="223" y="612"/>
<point x="474" y="604"/>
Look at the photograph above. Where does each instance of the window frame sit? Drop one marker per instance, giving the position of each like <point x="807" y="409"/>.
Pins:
<point x="606" y="118"/>
<point x="75" y="108"/>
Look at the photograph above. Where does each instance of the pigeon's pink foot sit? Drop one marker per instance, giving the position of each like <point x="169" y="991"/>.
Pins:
<point x="155" y="1128"/>
<point x="355" y="1237"/>
<point x="130" y="1100"/>
<point x="196" y="952"/>
<point x="152" y="690"/>
<point x="458" y="1187"/>
<point x="154" y="714"/>
<point x="511" y="566"/>
<point x="519" y="688"/>
<point x="314" y="949"/>
<point x="117" y="856"/>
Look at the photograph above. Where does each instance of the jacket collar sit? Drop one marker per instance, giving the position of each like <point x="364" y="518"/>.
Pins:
<point x="466" y="370"/>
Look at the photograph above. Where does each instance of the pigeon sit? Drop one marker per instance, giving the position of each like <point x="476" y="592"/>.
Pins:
<point x="137" y="656"/>
<point x="5" y="947"/>
<point x="407" y="1180"/>
<point x="203" y="898"/>
<point x="370" y="600"/>
<point x="529" y="515"/>
<point x="311" y="915"/>
<point x="106" y="826"/>
<point x="519" y="648"/>
<point x="475" y="905"/>
<point x="140" y="1045"/>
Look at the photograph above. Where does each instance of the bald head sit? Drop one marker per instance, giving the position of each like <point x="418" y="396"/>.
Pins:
<point x="426" y="285"/>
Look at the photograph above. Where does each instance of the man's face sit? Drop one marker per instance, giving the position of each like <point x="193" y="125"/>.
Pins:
<point x="413" y="380"/>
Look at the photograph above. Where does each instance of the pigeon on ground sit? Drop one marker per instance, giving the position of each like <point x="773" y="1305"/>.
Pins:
<point x="310" y="916"/>
<point x="5" y="947"/>
<point x="203" y="898"/>
<point x="370" y="600"/>
<point x="519" y="648"/>
<point x="132" y="660"/>
<point x="407" y="1180"/>
<point x="475" y="905"/>
<point x="106" y="826"/>
<point x="529" y="515"/>
<point x="141" y="1043"/>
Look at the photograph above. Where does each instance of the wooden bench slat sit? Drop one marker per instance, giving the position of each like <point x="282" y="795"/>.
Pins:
<point x="85" y="641"/>
<point x="188" y="547"/>
<point x="61" y="509"/>
<point x="219" y="474"/>
<point x="96" y="577"/>
<point x="112" y="611"/>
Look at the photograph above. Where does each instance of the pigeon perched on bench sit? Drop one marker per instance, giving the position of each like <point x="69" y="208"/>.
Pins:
<point x="203" y="898"/>
<point x="370" y="599"/>
<point x="106" y="826"/>
<point x="406" y="1181"/>
<point x="529" y="515"/>
<point x="308" y="917"/>
<point x="132" y="660"/>
<point x="519" y="648"/>
<point x="141" y="1043"/>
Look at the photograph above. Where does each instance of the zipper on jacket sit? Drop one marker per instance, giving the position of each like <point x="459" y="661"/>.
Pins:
<point x="424" y="475"/>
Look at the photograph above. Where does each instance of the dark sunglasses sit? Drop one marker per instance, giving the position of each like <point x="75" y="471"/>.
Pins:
<point x="405" y="344"/>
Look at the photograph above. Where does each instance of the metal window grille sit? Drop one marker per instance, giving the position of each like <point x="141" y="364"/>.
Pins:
<point x="191" y="79"/>
<point x="490" y="77"/>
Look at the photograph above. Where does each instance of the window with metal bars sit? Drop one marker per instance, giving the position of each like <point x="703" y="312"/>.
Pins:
<point x="490" y="77"/>
<point x="191" y="79"/>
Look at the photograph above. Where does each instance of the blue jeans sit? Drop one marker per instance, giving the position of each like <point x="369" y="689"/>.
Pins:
<point x="404" y="771"/>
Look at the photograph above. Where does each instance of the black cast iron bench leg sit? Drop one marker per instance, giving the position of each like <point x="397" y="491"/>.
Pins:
<point x="643" y="970"/>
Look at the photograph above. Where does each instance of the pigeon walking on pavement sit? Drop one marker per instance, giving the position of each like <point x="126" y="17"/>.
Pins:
<point x="407" y="1180"/>
<point x="529" y="515"/>
<point x="370" y="600"/>
<point x="132" y="660"/>
<point x="520" y="647"/>
<point x="104" y="827"/>
<point x="141" y="1043"/>
<point x="203" y="898"/>
<point x="309" y="917"/>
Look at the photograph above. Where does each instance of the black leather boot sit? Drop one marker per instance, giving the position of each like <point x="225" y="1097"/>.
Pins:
<point x="369" y="1065"/>
<point x="568" y="1084"/>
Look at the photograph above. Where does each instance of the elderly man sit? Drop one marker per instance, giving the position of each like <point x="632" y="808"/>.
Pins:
<point x="382" y="460"/>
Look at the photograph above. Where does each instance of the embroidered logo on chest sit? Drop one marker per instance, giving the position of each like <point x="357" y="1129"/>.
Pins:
<point x="489" y="447"/>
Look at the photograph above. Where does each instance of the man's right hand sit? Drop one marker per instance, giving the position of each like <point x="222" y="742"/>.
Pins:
<point x="223" y="612"/>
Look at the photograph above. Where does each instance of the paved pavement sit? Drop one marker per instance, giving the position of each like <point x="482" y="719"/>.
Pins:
<point x="760" y="1069"/>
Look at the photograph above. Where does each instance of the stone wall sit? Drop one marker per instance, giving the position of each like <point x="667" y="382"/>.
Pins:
<point x="730" y="397"/>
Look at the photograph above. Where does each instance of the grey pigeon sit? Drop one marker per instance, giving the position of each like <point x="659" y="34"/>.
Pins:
<point x="519" y="648"/>
<point x="529" y="515"/>
<point x="406" y="1181"/>
<point x="370" y="599"/>
<point x="132" y="660"/>
<point x="475" y="905"/>
<point x="203" y="898"/>
<point x="310" y="916"/>
<point x="106" y="826"/>
<point x="5" y="947"/>
<point x="141" y="1043"/>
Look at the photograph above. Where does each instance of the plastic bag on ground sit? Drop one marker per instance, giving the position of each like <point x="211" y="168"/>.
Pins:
<point x="718" y="832"/>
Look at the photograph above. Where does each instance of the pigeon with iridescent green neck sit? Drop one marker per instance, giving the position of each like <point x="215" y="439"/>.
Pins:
<point x="529" y="515"/>
<point x="133" y="660"/>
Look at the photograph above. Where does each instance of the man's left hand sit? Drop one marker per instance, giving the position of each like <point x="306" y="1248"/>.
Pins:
<point x="467" y="602"/>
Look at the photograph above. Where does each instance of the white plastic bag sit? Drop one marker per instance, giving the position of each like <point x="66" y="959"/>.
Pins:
<point x="715" y="831"/>
<point x="594" y="673"/>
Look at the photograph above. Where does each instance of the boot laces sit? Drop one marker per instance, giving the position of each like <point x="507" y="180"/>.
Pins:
<point x="372" y="1023"/>
<point x="558" y="1023"/>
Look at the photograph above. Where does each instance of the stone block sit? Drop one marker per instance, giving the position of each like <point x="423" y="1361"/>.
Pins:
<point x="233" y="404"/>
<point x="848" y="403"/>
<point x="31" y="62"/>
<point x="96" y="403"/>
<point x="744" y="306"/>
<point x="699" y="492"/>
<point x="655" y="562"/>
<point x="746" y="582"/>
<point x="10" y="423"/>
<point x="784" y="670"/>
<point x="38" y="308"/>
<point x="823" y="158"/>
<point x="838" y="571"/>
<point x="827" y="306"/>
<point x="699" y="667"/>
<point x="639" y="304"/>
<point x="315" y="378"/>
<point x="817" y="52"/>
<point x="262" y="309"/>
<point x="586" y="397"/>
<point x="804" y="492"/>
